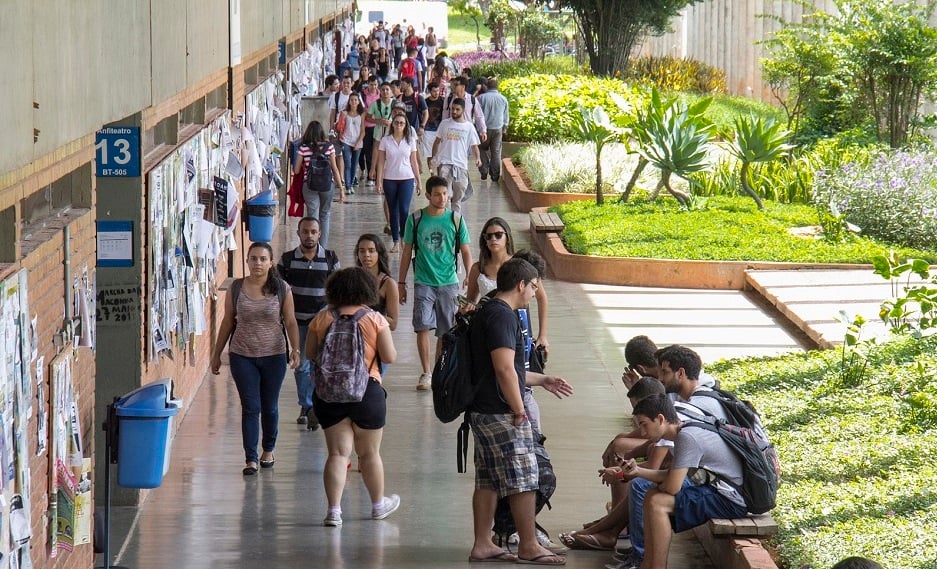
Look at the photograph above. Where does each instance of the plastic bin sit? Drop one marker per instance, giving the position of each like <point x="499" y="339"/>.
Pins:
<point x="144" y="423"/>
<point x="261" y="212"/>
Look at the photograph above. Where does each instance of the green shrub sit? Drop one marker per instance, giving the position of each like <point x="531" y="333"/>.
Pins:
<point x="570" y="167"/>
<point x="892" y="197"/>
<point x="725" y="108"/>
<point x="669" y="73"/>
<point x="854" y="482"/>
<point x="546" y="107"/>
<point x="511" y="68"/>
<point x="720" y="228"/>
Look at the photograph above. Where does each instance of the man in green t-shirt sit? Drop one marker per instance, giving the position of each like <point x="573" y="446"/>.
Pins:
<point x="433" y="237"/>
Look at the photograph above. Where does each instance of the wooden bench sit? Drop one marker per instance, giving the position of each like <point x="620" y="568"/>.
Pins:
<point x="546" y="222"/>
<point x="760" y="526"/>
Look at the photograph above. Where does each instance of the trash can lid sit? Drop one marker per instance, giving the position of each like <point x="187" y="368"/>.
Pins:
<point x="151" y="396"/>
<point x="263" y="198"/>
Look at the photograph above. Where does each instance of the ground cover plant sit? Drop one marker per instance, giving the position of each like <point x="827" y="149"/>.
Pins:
<point x="859" y="463"/>
<point x="718" y="228"/>
<point x="570" y="167"/>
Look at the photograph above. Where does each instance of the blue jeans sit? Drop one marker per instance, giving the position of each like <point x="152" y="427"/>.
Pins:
<point x="305" y="382"/>
<point x="350" y="156"/>
<point x="639" y="488"/>
<point x="398" y="194"/>
<point x="258" y="382"/>
<point x="318" y="205"/>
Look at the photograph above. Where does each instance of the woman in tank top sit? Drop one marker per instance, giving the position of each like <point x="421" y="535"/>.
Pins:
<point x="263" y="306"/>
<point x="371" y="255"/>
<point x="495" y="246"/>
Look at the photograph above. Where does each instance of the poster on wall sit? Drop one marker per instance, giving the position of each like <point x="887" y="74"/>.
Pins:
<point x="194" y="208"/>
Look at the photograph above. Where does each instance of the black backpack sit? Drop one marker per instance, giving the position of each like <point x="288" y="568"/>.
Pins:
<point x="740" y="413"/>
<point x="454" y="386"/>
<point x="504" y="522"/>
<point x="319" y="170"/>
<point x="761" y="471"/>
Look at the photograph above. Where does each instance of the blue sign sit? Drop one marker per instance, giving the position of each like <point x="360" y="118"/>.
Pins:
<point x="117" y="152"/>
<point x="282" y="50"/>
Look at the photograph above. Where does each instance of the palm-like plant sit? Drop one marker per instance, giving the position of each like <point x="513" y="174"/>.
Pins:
<point x="757" y="140"/>
<point x="654" y="113"/>
<point x="596" y="127"/>
<point x="677" y="145"/>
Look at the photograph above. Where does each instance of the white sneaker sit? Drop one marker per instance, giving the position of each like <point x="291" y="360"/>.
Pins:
<point x="544" y="540"/>
<point x="387" y="507"/>
<point x="332" y="520"/>
<point x="425" y="382"/>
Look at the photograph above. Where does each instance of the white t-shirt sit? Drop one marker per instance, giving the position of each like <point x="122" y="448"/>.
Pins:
<point x="397" y="158"/>
<point x="342" y="102"/>
<point x="352" y="129"/>
<point x="455" y="140"/>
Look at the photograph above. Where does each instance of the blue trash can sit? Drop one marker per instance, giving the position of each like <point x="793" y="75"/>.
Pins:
<point x="261" y="212"/>
<point x="144" y="419"/>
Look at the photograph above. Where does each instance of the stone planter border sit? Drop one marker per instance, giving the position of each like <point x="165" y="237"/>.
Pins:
<point x="525" y="199"/>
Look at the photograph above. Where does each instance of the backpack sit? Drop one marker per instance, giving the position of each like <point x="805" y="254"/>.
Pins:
<point x="408" y="68"/>
<point x="342" y="374"/>
<point x="504" y="521"/>
<point x="453" y="383"/>
<point x="740" y="413"/>
<point x="761" y="471"/>
<point x="319" y="171"/>
<point x="456" y="221"/>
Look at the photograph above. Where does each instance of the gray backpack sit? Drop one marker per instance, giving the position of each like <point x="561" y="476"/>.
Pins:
<point x="342" y="374"/>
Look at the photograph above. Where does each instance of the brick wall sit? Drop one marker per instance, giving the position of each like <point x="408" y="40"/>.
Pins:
<point x="46" y="268"/>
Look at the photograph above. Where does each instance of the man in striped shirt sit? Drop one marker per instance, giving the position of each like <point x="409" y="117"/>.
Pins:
<point x="306" y="269"/>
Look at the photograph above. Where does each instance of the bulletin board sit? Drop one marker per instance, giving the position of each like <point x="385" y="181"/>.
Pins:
<point x="265" y="133"/>
<point x="193" y="207"/>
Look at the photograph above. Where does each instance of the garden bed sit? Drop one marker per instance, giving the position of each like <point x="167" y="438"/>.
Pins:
<point x="525" y="199"/>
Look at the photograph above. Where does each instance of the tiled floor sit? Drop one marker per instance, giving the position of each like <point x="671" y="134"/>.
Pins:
<point x="207" y="515"/>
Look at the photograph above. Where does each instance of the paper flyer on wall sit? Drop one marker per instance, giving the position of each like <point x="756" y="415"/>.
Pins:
<point x="65" y="515"/>
<point x="84" y="505"/>
<point x="42" y="428"/>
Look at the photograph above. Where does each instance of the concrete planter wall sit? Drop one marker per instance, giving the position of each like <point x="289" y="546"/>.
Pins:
<point x="525" y="199"/>
<point x="670" y="273"/>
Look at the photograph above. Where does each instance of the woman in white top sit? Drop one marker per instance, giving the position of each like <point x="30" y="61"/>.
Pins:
<point x="352" y="138"/>
<point x="398" y="168"/>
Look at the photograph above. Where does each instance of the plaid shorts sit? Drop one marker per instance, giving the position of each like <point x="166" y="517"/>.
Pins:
<point x="504" y="454"/>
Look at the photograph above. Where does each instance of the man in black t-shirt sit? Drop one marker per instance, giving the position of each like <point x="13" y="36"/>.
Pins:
<point x="505" y="463"/>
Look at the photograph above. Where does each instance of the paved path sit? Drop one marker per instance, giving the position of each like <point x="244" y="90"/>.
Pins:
<point x="207" y="515"/>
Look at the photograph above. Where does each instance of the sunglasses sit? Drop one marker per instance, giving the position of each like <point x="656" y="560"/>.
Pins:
<point x="494" y="235"/>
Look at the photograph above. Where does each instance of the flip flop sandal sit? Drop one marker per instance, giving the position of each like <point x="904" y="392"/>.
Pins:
<point x="545" y="559"/>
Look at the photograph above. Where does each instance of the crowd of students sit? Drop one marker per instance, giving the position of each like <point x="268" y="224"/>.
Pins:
<point x="381" y="130"/>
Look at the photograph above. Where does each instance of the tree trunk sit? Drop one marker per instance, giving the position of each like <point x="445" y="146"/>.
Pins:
<point x="599" y="196"/>
<point x="681" y="196"/>
<point x="642" y="163"/>
<point x="746" y="186"/>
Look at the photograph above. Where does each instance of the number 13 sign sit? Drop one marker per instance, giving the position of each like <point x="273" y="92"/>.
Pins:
<point x="117" y="152"/>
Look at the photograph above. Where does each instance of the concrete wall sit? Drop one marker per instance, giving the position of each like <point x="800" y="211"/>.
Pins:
<point x="727" y="34"/>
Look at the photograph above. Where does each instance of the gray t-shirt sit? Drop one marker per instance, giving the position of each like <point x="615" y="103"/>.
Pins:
<point x="696" y="448"/>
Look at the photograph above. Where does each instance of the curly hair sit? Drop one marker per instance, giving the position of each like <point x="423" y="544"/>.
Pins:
<point x="484" y="255"/>
<point x="353" y="286"/>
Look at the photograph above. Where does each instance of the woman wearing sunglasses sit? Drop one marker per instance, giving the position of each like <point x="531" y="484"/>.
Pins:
<point x="495" y="246"/>
<point x="398" y="168"/>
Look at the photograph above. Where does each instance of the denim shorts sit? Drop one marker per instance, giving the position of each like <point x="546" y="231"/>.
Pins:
<point x="694" y="505"/>
<point x="434" y="307"/>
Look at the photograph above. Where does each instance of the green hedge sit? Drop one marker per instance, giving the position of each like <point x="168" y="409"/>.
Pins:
<point x="543" y="107"/>
<point x="720" y="228"/>
<point x="855" y="480"/>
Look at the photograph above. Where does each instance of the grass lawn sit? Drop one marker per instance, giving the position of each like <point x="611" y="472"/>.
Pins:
<point x="718" y="228"/>
<point x="859" y="461"/>
<point x="462" y="33"/>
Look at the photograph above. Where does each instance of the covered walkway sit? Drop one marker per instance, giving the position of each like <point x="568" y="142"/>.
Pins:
<point x="207" y="515"/>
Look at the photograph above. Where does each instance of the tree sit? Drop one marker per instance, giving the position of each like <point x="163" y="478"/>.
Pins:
<point x="537" y="30"/>
<point x="610" y="29"/>
<point x="868" y="64"/>
<point x="677" y="145"/>
<point x="757" y="140"/>
<point x="596" y="127"/>
<point x="471" y="10"/>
